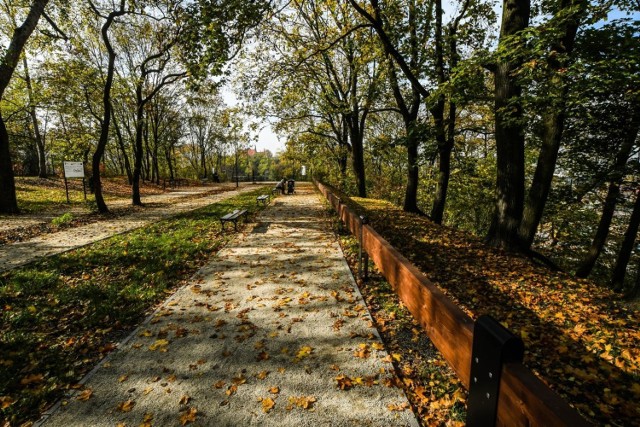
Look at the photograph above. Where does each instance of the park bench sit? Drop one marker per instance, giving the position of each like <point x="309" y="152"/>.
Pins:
<point x="232" y="217"/>
<point x="264" y="199"/>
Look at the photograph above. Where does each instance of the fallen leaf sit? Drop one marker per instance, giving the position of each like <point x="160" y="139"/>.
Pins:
<point x="304" y="402"/>
<point x="85" y="395"/>
<point x="32" y="379"/>
<point x="398" y="407"/>
<point x="184" y="400"/>
<point x="188" y="416"/>
<point x="231" y="390"/>
<point x="6" y="401"/>
<point x="344" y="382"/>
<point x="262" y="375"/>
<point x="126" y="406"/>
<point x="267" y="404"/>
<point x="274" y="390"/>
<point x="159" y="345"/>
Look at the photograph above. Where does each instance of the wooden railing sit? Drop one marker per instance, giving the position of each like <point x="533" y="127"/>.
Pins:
<point x="524" y="400"/>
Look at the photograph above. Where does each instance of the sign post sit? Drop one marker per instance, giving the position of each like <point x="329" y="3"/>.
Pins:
<point x="74" y="170"/>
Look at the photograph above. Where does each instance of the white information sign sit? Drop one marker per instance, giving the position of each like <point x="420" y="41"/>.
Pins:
<point x="303" y="171"/>
<point x="73" y="170"/>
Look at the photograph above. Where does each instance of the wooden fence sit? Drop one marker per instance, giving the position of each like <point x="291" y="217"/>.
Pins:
<point x="524" y="399"/>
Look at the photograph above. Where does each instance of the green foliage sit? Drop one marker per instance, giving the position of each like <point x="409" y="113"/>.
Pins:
<point x="63" y="219"/>
<point x="215" y="30"/>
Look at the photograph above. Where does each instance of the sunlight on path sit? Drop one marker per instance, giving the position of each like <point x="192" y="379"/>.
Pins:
<point x="16" y="254"/>
<point x="270" y="333"/>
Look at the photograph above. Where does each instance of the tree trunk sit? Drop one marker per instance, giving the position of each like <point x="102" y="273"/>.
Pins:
<point x="413" y="178"/>
<point x="137" y="166"/>
<point x="553" y="122"/>
<point x="106" y="101"/>
<point x="620" y="269"/>
<point x="437" y="112"/>
<point x="444" y="173"/>
<point x="543" y="176"/>
<point x="42" y="159"/>
<point x="410" y="119"/>
<point x="203" y="160"/>
<point x="357" y="156"/>
<point x="127" y="164"/>
<point x="602" y="233"/>
<point x="444" y="162"/>
<point x="509" y="134"/>
<point x="8" y="200"/>
<point x="167" y="154"/>
<point x="356" y="133"/>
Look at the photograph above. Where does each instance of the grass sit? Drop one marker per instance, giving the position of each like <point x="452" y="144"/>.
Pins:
<point x="36" y="195"/>
<point x="61" y="315"/>
<point x="63" y="219"/>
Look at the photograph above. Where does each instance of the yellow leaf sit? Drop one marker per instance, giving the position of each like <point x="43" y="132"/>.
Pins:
<point x="123" y="378"/>
<point x="146" y="421"/>
<point x="239" y="380"/>
<point x="274" y="390"/>
<point x="262" y="375"/>
<point x="396" y="357"/>
<point x="184" y="400"/>
<point x="6" y="401"/>
<point x="304" y="351"/>
<point x="304" y="402"/>
<point x="159" y="345"/>
<point x="268" y="404"/>
<point x="219" y="384"/>
<point x="377" y="346"/>
<point x="85" y="395"/>
<point x="188" y="416"/>
<point x="231" y="390"/>
<point x="126" y="406"/>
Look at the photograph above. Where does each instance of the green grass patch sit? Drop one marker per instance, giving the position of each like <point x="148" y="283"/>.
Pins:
<point x="60" y="316"/>
<point x="63" y="219"/>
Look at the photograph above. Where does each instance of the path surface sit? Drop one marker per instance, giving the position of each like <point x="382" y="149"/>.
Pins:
<point x="20" y="253"/>
<point x="11" y="222"/>
<point x="263" y="335"/>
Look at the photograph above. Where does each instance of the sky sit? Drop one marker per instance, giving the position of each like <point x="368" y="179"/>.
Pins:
<point x="267" y="140"/>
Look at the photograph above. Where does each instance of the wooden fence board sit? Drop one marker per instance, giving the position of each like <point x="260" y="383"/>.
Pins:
<point x="524" y="399"/>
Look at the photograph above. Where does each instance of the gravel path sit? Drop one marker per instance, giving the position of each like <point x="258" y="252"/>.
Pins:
<point x="20" y="253"/>
<point x="272" y="332"/>
<point x="11" y="222"/>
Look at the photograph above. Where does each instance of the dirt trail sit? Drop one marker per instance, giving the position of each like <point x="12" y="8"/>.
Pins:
<point x="272" y="332"/>
<point x="20" y="253"/>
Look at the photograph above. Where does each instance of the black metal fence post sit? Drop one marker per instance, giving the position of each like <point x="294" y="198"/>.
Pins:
<point x="493" y="346"/>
